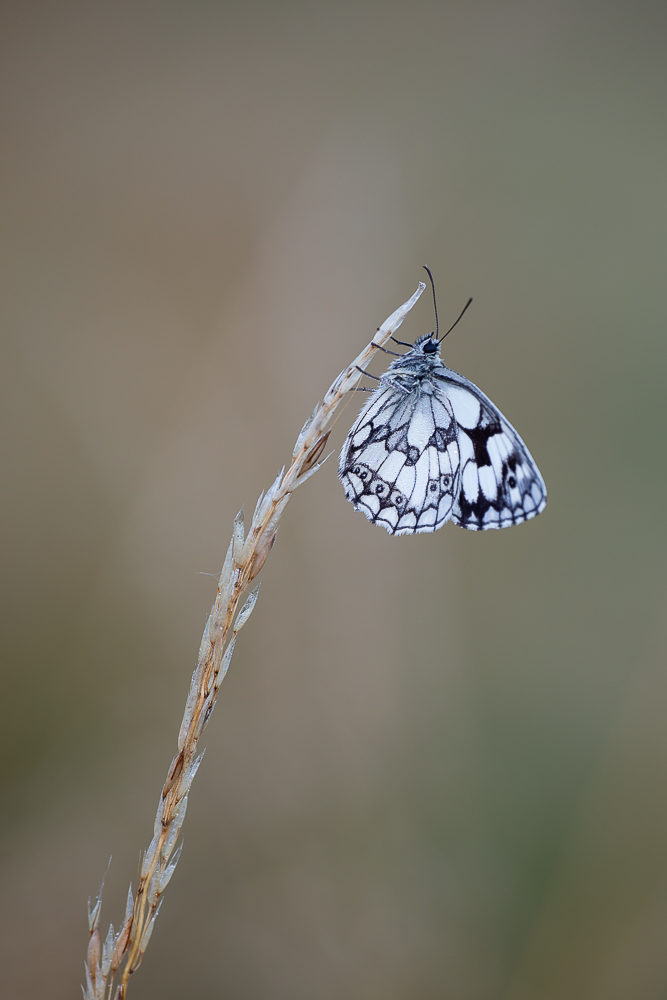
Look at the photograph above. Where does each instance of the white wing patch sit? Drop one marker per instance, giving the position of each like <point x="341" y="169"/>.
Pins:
<point x="466" y="407"/>
<point x="429" y="446"/>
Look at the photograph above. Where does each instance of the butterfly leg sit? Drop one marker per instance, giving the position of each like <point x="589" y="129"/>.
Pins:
<point x="376" y="377"/>
<point x="394" y="354"/>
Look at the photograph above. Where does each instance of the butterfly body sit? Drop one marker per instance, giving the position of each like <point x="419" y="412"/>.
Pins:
<point x="429" y="447"/>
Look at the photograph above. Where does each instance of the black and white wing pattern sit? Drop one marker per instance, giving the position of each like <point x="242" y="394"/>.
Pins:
<point x="500" y="483"/>
<point x="400" y="463"/>
<point x="430" y="447"/>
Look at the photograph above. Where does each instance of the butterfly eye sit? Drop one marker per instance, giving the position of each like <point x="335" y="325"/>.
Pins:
<point x="511" y="482"/>
<point x="399" y="500"/>
<point x="446" y="480"/>
<point x="379" y="489"/>
<point x="432" y="487"/>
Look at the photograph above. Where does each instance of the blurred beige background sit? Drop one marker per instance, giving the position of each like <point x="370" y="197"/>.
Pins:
<point x="438" y="769"/>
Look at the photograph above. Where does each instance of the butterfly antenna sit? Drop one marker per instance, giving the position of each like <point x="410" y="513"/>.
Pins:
<point x="435" y="304"/>
<point x="456" y="321"/>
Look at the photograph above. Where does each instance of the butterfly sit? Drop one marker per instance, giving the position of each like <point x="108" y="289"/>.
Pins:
<point x="430" y="447"/>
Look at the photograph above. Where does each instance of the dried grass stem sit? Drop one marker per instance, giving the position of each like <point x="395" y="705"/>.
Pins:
<point x="122" y="952"/>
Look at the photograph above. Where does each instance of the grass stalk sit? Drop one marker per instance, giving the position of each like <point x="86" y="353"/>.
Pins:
<point x="113" y="962"/>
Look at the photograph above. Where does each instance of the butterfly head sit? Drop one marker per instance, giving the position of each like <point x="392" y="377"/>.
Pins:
<point x="427" y="345"/>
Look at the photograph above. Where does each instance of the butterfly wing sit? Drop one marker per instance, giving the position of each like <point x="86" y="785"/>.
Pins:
<point x="400" y="462"/>
<point x="500" y="484"/>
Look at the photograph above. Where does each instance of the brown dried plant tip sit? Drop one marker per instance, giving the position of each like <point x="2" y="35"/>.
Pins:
<point x="121" y="953"/>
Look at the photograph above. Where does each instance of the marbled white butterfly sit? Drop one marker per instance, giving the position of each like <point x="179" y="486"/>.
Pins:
<point x="430" y="447"/>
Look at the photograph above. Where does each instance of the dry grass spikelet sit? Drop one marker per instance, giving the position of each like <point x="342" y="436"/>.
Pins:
<point x="122" y="952"/>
